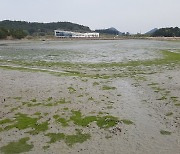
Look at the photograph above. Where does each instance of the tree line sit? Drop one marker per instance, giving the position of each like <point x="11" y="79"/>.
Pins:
<point x="14" y="33"/>
<point x="41" y="29"/>
<point x="167" y="32"/>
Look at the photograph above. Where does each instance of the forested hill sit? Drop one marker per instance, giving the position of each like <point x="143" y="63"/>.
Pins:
<point x="42" y="28"/>
<point x="167" y="32"/>
<point x="110" y="31"/>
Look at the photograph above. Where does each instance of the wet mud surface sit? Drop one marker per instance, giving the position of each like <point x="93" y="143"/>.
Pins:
<point x="86" y="108"/>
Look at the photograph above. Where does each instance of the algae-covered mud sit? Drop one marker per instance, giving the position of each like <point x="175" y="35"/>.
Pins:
<point x="90" y="97"/>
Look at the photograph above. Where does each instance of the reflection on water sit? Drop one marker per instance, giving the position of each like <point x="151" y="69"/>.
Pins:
<point x="93" y="51"/>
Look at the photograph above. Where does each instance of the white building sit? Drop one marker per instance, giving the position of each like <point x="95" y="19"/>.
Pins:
<point x="65" y="34"/>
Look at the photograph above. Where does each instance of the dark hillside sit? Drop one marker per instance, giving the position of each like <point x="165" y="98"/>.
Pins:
<point x="42" y="28"/>
<point x="167" y="32"/>
<point x="111" y="31"/>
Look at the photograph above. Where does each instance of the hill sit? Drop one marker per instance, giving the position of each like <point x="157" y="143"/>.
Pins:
<point x="167" y="32"/>
<point x="111" y="31"/>
<point x="34" y="28"/>
<point x="151" y="31"/>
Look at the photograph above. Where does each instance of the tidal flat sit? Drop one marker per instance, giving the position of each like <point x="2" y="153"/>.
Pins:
<point x="91" y="96"/>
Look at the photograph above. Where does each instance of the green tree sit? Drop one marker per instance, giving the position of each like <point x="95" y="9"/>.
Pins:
<point x="18" y="34"/>
<point x="3" y="33"/>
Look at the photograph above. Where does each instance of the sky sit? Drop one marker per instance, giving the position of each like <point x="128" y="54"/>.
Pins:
<point x="132" y="16"/>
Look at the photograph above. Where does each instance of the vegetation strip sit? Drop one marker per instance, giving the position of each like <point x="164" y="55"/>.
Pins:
<point x="17" y="147"/>
<point x="70" y="140"/>
<point x="168" y="58"/>
<point x="22" y="121"/>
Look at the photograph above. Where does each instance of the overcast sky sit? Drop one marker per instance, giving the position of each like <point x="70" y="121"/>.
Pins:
<point x="126" y="15"/>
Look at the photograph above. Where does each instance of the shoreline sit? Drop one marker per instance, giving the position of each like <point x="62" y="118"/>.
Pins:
<point x="100" y="38"/>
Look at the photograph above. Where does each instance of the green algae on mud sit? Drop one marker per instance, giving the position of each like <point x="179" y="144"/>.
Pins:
<point x="127" y="122"/>
<point x="168" y="58"/>
<point x="164" y="132"/>
<point x="70" y="140"/>
<point x="61" y="120"/>
<point x="177" y="104"/>
<point x="54" y="137"/>
<point x="105" y="87"/>
<point x="169" y="114"/>
<point x="95" y="83"/>
<point x="5" y="121"/>
<point x="82" y="121"/>
<point x="60" y="101"/>
<point x="17" y="147"/>
<point x="102" y="122"/>
<point x="71" y="90"/>
<point x="22" y="121"/>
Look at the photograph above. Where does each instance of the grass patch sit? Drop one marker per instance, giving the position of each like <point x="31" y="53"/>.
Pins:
<point x="153" y="84"/>
<point x="55" y="137"/>
<point x="70" y="140"/>
<point x="95" y="83"/>
<point x="18" y="98"/>
<point x="5" y="121"/>
<point x="108" y="136"/>
<point x="140" y="78"/>
<point x="29" y="104"/>
<point x="169" y="114"/>
<point x="163" y="132"/>
<point x="178" y="104"/>
<point x="102" y="122"/>
<point x="37" y="113"/>
<point x="22" y="121"/>
<point x="82" y="121"/>
<point x="108" y="88"/>
<point x="174" y="98"/>
<point x="71" y="90"/>
<point x="49" y="99"/>
<point x="100" y="113"/>
<point x="107" y="121"/>
<point x="32" y="105"/>
<point x="61" y="101"/>
<point x="39" y="128"/>
<point x="162" y="98"/>
<point x="17" y="147"/>
<point x="91" y="99"/>
<point x="63" y="121"/>
<point x="15" y="108"/>
<point x="74" y="72"/>
<point x="65" y="109"/>
<point x="34" y="100"/>
<point x="46" y="147"/>
<point x="109" y="107"/>
<point x="127" y="122"/>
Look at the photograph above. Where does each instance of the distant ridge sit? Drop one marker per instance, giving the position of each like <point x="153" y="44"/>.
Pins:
<point x="151" y="31"/>
<point x="43" y="28"/>
<point x="112" y="31"/>
<point x="167" y="32"/>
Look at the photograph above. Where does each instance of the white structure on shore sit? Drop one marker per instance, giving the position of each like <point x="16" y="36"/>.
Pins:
<point x="66" y="34"/>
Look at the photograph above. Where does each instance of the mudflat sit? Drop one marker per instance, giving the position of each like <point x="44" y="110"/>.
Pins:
<point x="90" y="97"/>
